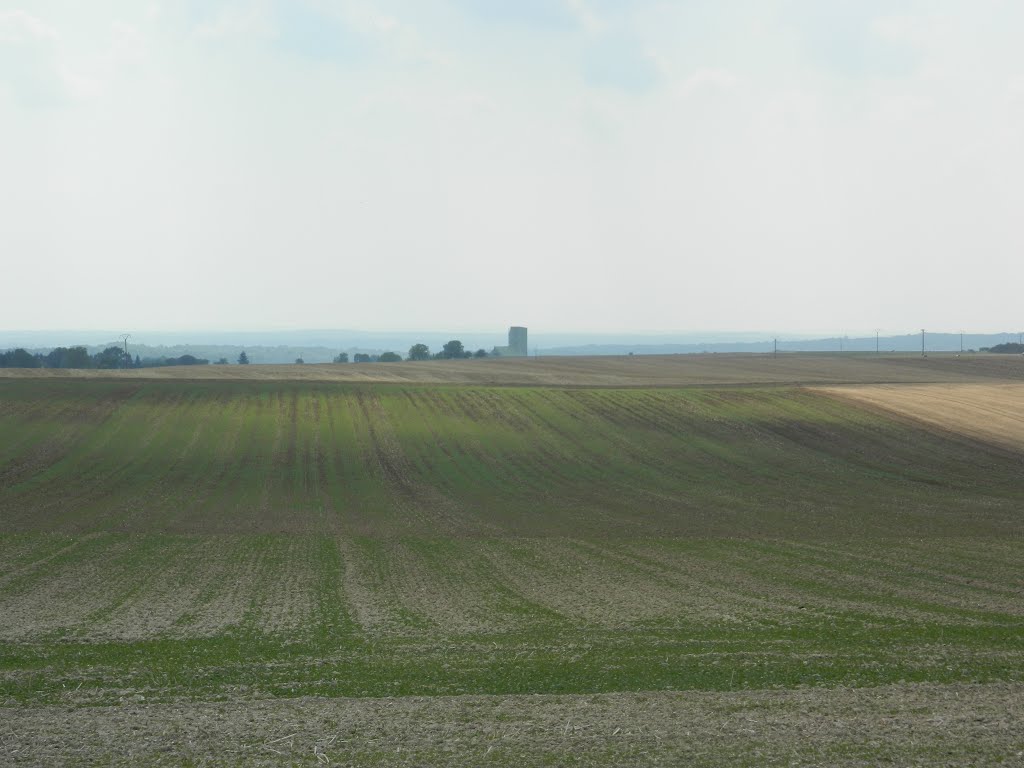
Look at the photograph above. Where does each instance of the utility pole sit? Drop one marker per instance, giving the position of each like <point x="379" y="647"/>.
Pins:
<point x="775" y="348"/>
<point x="922" y="342"/>
<point x="877" y="330"/>
<point x="126" y="358"/>
<point x="961" y="341"/>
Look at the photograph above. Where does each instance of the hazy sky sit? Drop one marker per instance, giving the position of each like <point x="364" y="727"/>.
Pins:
<point x="801" y="165"/>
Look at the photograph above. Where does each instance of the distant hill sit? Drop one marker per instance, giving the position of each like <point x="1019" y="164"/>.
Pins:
<point x="934" y="342"/>
<point x="1013" y="348"/>
<point x="321" y="346"/>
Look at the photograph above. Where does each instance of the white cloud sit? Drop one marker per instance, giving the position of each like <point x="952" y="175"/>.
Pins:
<point x="90" y="74"/>
<point x="385" y="23"/>
<point x="1014" y="103"/>
<point x="709" y="78"/>
<point x="18" y="25"/>
<point x="728" y="177"/>
<point x="587" y="18"/>
<point x="128" y="42"/>
<point x="29" y="52"/>
<point x="244" y="22"/>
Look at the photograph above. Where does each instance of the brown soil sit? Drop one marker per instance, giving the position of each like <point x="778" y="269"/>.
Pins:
<point x="934" y="725"/>
<point x="200" y="586"/>
<point x="608" y="371"/>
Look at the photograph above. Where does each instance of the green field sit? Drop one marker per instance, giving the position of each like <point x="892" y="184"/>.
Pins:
<point x="229" y="544"/>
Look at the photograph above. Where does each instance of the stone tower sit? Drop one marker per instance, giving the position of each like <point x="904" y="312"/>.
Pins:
<point x="517" y="341"/>
<point x="517" y="346"/>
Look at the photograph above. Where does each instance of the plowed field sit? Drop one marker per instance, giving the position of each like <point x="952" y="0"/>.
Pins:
<point x="603" y="371"/>
<point x="237" y="572"/>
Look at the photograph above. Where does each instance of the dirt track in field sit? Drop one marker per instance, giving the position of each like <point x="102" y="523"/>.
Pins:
<point x="606" y="371"/>
<point x="933" y="725"/>
<point x="992" y="413"/>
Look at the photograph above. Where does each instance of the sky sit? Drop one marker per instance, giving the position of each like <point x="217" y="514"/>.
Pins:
<point x="572" y="165"/>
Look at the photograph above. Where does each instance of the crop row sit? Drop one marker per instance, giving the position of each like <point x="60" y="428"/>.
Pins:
<point x="130" y="587"/>
<point x="271" y="457"/>
<point x="291" y="615"/>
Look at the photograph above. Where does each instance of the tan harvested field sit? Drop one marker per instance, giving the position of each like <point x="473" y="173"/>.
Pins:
<point x="607" y="371"/>
<point x="987" y="412"/>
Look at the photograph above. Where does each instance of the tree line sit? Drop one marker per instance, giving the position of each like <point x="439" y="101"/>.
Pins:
<point x="114" y="357"/>
<point x="452" y="350"/>
<point x="78" y="357"/>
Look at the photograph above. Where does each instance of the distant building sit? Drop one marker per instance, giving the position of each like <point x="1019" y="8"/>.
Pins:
<point x="517" y="344"/>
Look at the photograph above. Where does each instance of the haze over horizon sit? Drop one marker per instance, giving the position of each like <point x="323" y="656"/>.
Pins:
<point x="321" y="345"/>
<point x="580" y="165"/>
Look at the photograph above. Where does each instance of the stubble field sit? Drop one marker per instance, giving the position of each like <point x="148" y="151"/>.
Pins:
<point x="280" y="570"/>
<point x="991" y="413"/>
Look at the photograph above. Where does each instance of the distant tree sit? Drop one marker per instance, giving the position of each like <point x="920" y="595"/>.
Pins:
<point x="390" y="357"/>
<point x="20" y="358"/>
<point x="453" y="349"/>
<point x="419" y="352"/>
<point x="64" y="357"/>
<point x="341" y="357"/>
<point x="243" y="359"/>
<point x="222" y="361"/>
<point x="362" y="357"/>
<point x="56" y="357"/>
<point x="299" y="361"/>
<point x="187" y="360"/>
<point x="77" y="357"/>
<point x="111" y="357"/>
<point x="138" y="362"/>
<point x="480" y="353"/>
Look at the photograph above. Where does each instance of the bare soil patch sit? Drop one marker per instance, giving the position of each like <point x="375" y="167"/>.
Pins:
<point x="992" y="412"/>
<point x="932" y="725"/>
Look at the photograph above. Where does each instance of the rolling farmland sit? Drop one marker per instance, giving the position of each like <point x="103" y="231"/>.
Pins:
<point x="629" y="371"/>
<point x="415" y="572"/>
